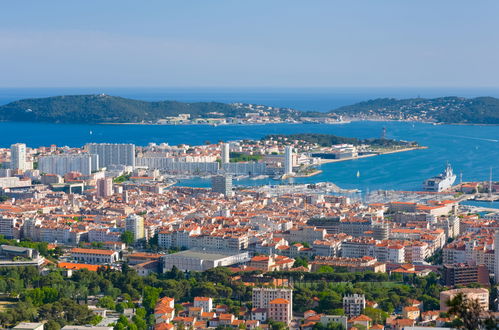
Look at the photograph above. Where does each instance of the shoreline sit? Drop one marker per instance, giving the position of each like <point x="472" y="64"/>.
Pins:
<point x="327" y="161"/>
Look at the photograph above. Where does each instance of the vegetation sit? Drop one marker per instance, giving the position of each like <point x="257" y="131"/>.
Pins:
<point x="480" y="110"/>
<point x="327" y="140"/>
<point x="107" y="109"/>
<point x="236" y="157"/>
<point x="127" y="237"/>
<point x="469" y="314"/>
<point x="122" y="178"/>
<point x="46" y="296"/>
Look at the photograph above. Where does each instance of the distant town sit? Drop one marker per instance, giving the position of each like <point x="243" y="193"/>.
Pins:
<point x="125" y="247"/>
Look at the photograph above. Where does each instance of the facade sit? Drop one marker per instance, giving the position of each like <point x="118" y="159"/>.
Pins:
<point x="62" y="164"/>
<point x="199" y="260"/>
<point x="113" y="154"/>
<point x="18" y="157"/>
<point x="95" y="256"/>
<point x="463" y="274"/>
<point x="263" y="296"/>
<point x="496" y="256"/>
<point x="222" y="184"/>
<point x="135" y="224"/>
<point x="288" y="160"/>
<point x="104" y="187"/>
<point x="479" y="294"/>
<point x="206" y="303"/>
<point x="280" y="310"/>
<point x="354" y="304"/>
<point x="225" y="153"/>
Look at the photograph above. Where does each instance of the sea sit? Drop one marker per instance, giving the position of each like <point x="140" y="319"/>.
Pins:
<point x="472" y="150"/>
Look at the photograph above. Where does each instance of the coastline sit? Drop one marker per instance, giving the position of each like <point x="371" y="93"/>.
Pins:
<point x="326" y="161"/>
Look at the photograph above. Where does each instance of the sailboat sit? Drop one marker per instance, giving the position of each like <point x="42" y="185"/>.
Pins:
<point x="358" y="174"/>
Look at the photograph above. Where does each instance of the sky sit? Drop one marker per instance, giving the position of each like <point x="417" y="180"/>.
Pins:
<point x="257" y="43"/>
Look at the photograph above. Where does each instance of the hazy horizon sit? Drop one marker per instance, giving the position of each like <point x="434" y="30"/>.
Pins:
<point x="221" y="44"/>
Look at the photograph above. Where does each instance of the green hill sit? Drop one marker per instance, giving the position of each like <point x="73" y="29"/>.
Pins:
<point x="112" y="109"/>
<point x="480" y="110"/>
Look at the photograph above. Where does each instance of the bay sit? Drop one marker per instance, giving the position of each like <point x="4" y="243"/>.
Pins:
<point x="472" y="150"/>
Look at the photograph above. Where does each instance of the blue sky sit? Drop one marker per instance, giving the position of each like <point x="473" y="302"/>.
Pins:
<point x="257" y="43"/>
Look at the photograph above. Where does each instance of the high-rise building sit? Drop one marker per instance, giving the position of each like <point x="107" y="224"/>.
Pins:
<point x="496" y="257"/>
<point x="113" y="154"/>
<point x="225" y="153"/>
<point x="261" y="297"/>
<point x="354" y="304"/>
<point x="104" y="187"/>
<point x="135" y="224"/>
<point x="288" y="160"/>
<point x="62" y="164"/>
<point x="222" y="184"/>
<point x="18" y="157"/>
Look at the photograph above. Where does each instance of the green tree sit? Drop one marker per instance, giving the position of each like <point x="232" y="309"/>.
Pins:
<point x="127" y="237"/>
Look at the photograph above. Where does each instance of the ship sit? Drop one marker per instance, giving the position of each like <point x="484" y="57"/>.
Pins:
<point x="441" y="182"/>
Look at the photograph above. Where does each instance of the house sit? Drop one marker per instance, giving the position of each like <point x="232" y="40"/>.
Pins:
<point x="362" y="320"/>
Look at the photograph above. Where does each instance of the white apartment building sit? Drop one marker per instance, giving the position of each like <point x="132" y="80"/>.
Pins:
<point x="353" y="305"/>
<point x="206" y="303"/>
<point x="113" y="154"/>
<point x="263" y="296"/>
<point x="357" y="248"/>
<point x="62" y="164"/>
<point x="18" y="157"/>
<point x="135" y="224"/>
<point x="9" y="227"/>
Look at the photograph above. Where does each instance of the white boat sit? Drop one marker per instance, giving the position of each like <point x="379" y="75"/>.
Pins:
<point x="441" y="182"/>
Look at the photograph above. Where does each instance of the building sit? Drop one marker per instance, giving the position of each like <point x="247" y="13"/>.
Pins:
<point x="18" y="157"/>
<point x="200" y="260"/>
<point x="354" y="304"/>
<point x="94" y="256"/>
<point x="271" y="263"/>
<point x="341" y="319"/>
<point x="29" y="326"/>
<point x="135" y="224"/>
<point x="496" y="256"/>
<point x="104" y="187"/>
<point x="280" y="310"/>
<point x="463" y="274"/>
<point x="225" y="153"/>
<point x="206" y="303"/>
<point x="288" y="160"/>
<point x="479" y="294"/>
<point x="222" y="184"/>
<point x="261" y="297"/>
<point x="113" y="154"/>
<point x="63" y="164"/>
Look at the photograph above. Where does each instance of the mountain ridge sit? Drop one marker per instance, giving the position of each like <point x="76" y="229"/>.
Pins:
<point x="101" y="108"/>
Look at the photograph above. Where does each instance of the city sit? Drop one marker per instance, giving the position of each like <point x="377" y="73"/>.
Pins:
<point x="107" y="207"/>
<point x="267" y="165"/>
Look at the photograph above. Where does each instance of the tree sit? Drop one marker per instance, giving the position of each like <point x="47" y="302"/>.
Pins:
<point x="377" y="315"/>
<point x="127" y="237"/>
<point x="468" y="312"/>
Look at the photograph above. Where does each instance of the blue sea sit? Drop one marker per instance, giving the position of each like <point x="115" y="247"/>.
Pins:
<point x="472" y="150"/>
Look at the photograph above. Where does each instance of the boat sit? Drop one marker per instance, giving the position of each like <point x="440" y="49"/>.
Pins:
<point x="441" y="182"/>
<point x="358" y="174"/>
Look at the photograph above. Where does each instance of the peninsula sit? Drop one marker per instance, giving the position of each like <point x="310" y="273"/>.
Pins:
<point x="112" y="109"/>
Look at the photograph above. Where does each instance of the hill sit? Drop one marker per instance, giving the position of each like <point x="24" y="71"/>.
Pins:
<point x="111" y="109"/>
<point x="480" y="110"/>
